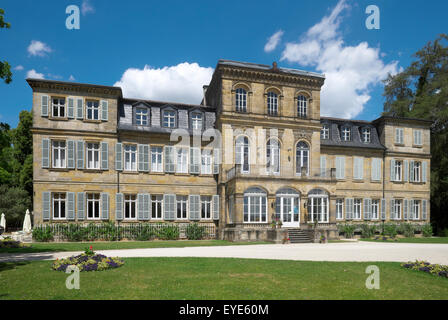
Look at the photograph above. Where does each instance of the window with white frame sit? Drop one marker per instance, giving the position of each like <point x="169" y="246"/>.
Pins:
<point x="302" y="106"/>
<point x="242" y="153"/>
<point x="130" y="157"/>
<point x="240" y="100"/>
<point x="156" y="206"/>
<point x="206" y="162"/>
<point x="346" y="134"/>
<point x="93" y="206"/>
<point x="273" y="156"/>
<point x="93" y="110"/>
<point x="254" y="205"/>
<point x="357" y="206"/>
<point x="272" y="103"/>
<point x="141" y="116"/>
<point x="416" y="168"/>
<point x="365" y="135"/>
<point x="182" y="160"/>
<point x="399" y="136"/>
<point x="418" y="137"/>
<point x="302" y="157"/>
<point x="196" y="121"/>
<point x="397" y="209"/>
<point x="325" y="132"/>
<point x="375" y="209"/>
<point x="398" y="170"/>
<point x="59" y="154"/>
<point x="318" y="206"/>
<point x="206" y="207"/>
<point x="339" y="209"/>
<point x="130" y="206"/>
<point x="59" y="205"/>
<point x="181" y="203"/>
<point x="156" y="159"/>
<point x="416" y="209"/>
<point x="93" y="155"/>
<point x="58" y="107"/>
<point x="169" y="119"/>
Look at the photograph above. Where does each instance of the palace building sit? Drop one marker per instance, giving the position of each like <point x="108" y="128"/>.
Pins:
<point x="254" y="151"/>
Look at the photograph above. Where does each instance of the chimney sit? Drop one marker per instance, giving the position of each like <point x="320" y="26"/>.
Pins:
<point x="204" y="101"/>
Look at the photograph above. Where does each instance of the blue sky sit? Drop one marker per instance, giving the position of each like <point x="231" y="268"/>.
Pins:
<point x="180" y="42"/>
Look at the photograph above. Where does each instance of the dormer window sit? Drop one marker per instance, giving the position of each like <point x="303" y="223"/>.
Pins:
<point x="240" y="100"/>
<point x="169" y="119"/>
<point x="58" y="107"/>
<point x="196" y="121"/>
<point x="325" y="132"/>
<point x="346" y="134"/>
<point x="141" y="116"/>
<point x="365" y="135"/>
<point x="272" y="103"/>
<point x="93" y="110"/>
<point x="302" y="106"/>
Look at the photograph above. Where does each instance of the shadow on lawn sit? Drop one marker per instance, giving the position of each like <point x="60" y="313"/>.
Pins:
<point x="16" y="258"/>
<point x="4" y="266"/>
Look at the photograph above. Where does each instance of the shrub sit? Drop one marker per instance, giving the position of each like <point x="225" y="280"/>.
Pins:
<point x="9" y="243"/>
<point x="406" y="229"/>
<point x="169" y="233"/>
<point x="444" y="232"/>
<point x="434" y="269"/>
<point x="195" y="232"/>
<point x="347" y="229"/>
<point x="367" y="231"/>
<point x="427" y="230"/>
<point x="42" y="234"/>
<point x="390" y="229"/>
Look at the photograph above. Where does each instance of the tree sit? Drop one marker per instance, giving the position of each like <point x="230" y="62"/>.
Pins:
<point x="421" y="91"/>
<point x="13" y="203"/>
<point x="5" y="68"/>
<point x="22" y="137"/>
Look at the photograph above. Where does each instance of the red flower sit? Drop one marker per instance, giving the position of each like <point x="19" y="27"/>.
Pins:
<point x="91" y="248"/>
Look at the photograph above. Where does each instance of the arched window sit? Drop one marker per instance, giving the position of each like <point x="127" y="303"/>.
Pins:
<point x="240" y="100"/>
<point x="318" y="206"/>
<point x="302" y="158"/>
<point x="255" y="205"/>
<point x="242" y="153"/>
<point x="287" y="207"/>
<point x="272" y="103"/>
<point x="302" y="106"/>
<point x="273" y="156"/>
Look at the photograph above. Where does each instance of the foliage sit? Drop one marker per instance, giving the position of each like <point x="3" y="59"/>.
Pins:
<point x="89" y="251"/>
<point x="13" y="203"/>
<point x="195" y="232"/>
<point x="5" y="68"/>
<point x="434" y="269"/>
<point x="427" y="230"/>
<point x="367" y="231"/>
<point x="391" y="230"/>
<point x="10" y="243"/>
<point x="406" y="229"/>
<point x="42" y="234"/>
<point x="444" y="232"/>
<point x="88" y="262"/>
<point x="347" y="229"/>
<point x="169" y="233"/>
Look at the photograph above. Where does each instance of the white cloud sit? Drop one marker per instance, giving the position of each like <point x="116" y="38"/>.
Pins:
<point x="273" y="41"/>
<point x="71" y="78"/>
<point x="181" y="83"/>
<point x="87" y="7"/>
<point x="350" y="71"/>
<point x="35" y="75"/>
<point x="19" y="68"/>
<point x="38" y="48"/>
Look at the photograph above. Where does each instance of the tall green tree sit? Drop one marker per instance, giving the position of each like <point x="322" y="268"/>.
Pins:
<point x="5" y="68"/>
<point x="421" y="91"/>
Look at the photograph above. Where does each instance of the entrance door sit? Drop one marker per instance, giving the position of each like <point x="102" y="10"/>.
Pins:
<point x="288" y="210"/>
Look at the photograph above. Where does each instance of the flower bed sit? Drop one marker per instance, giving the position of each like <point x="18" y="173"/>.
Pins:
<point x="88" y="261"/>
<point x="435" y="269"/>
<point x="10" y="243"/>
<point x="385" y="238"/>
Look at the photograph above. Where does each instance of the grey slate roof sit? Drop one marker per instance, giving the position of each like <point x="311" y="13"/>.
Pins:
<point x="355" y="142"/>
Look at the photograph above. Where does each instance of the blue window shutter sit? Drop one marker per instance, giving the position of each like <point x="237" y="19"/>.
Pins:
<point x="366" y="209"/>
<point x="146" y="207"/>
<point x="104" y="110"/>
<point x="143" y="157"/>
<point x="406" y="170"/>
<point x="81" y="204"/>
<point x="169" y="159"/>
<point x="405" y="209"/>
<point x="80" y="154"/>
<point x="71" y="154"/>
<point x="383" y="209"/>
<point x="392" y="169"/>
<point x="44" y="105"/>
<point x="216" y="207"/>
<point x="71" y="206"/>
<point x="140" y="206"/>
<point x="424" y="209"/>
<point x="104" y="206"/>
<point x="80" y="108"/>
<point x="46" y="206"/>
<point x="216" y="160"/>
<point x="71" y="108"/>
<point x="392" y="211"/>
<point x="118" y="157"/>
<point x="424" y="171"/>
<point x="195" y="156"/>
<point x="104" y="156"/>
<point x="45" y="153"/>
<point x="140" y="157"/>
<point x="169" y="206"/>
<point x="195" y="207"/>
<point x="119" y="206"/>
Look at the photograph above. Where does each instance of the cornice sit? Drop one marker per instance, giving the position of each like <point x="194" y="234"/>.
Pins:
<point x="75" y="87"/>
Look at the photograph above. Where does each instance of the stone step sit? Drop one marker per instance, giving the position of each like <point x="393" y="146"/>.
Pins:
<point x="298" y="236"/>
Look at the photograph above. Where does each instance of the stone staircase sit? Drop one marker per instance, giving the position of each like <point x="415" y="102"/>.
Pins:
<point x="298" y="236"/>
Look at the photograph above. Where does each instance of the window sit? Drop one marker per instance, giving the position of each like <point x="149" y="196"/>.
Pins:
<point x="399" y="135"/>
<point x="196" y="121"/>
<point x="182" y="160"/>
<point x="287" y="207"/>
<point x="302" y="106"/>
<point x="181" y="202"/>
<point x="141" y="116"/>
<point x="273" y="156"/>
<point x="346" y="134"/>
<point x="397" y="209"/>
<point x="254" y="208"/>
<point x="358" y="168"/>
<point x="339" y="209"/>
<point x="242" y="153"/>
<point x="206" y="207"/>
<point x="93" y="155"/>
<point x="325" y="132"/>
<point x="375" y="209"/>
<point x="130" y="206"/>
<point x="397" y="170"/>
<point x="340" y="167"/>
<point x="318" y="206"/>
<point x="302" y="158"/>
<point x="93" y="206"/>
<point x="59" y="206"/>
<point x="156" y="206"/>
<point x="169" y="119"/>
<point x="206" y="162"/>
<point x="272" y="103"/>
<point x="59" y="158"/>
<point x="357" y="209"/>
<point x="365" y="135"/>
<point x="58" y="107"/>
<point x="416" y="169"/>
<point x="241" y="100"/>
<point x="376" y="169"/>
<point x="418" y="137"/>
<point x="130" y="157"/>
<point x="416" y="209"/>
<point x="93" y="110"/>
<point x="156" y="159"/>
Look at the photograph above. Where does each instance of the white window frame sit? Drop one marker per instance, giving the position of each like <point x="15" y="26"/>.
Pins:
<point x="340" y="209"/>
<point x="206" y="162"/>
<point x="141" y="116"/>
<point x="242" y="144"/>
<point x="206" y="207"/>
<point x="169" y="119"/>
<point x="93" y="198"/>
<point x="130" y="157"/>
<point x="302" y="106"/>
<point x="241" y="100"/>
<point x="375" y="209"/>
<point x="357" y="209"/>
<point x="417" y="174"/>
<point x="156" y="159"/>
<point x="156" y="204"/>
<point x="130" y="202"/>
<point x="252" y="202"/>
<point x="182" y="202"/>
<point x="418" y="137"/>
<point x="59" y="154"/>
<point x="92" y="106"/>
<point x="398" y="206"/>
<point x="325" y="132"/>
<point x="398" y="170"/>
<point x="273" y="156"/>
<point x="319" y="205"/>
<point x="182" y="155"/>
<point x="399" y="135"/>
<point x="416" y="204"/>
<point x="366" y="135"/>
<point x="346" y="133"/>
<point x="59" y="201"/>
<point x="272" y="101"/>
<point x="301" y="155"/>
<point x="59" y="107"/>
<point x="196" y="121"/>
<point x="93" y="155"/>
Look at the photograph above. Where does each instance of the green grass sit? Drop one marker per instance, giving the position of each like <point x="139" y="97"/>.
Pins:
<point x="81" y="246"/>
<point x="218" y="278"/>
<point x="414" y="240"/>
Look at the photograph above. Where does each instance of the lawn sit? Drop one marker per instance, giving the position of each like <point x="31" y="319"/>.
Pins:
<point x="414" y="240"/>
<point x="218" y="278"/>
<point x="81" y="246"/>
